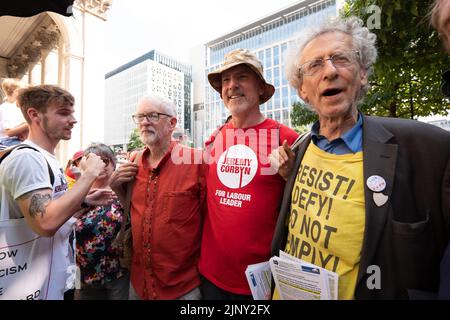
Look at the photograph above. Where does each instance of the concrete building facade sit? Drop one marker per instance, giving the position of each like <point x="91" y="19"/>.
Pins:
<point x="152" y="73"/>
<point x="67" y="51"/>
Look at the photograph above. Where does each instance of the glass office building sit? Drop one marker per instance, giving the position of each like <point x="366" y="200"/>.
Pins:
<point x="269" y="39"/>
<point x="152" y="73"/>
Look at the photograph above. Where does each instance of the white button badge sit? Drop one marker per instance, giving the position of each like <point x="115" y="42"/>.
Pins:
<point x="376" y="183"/>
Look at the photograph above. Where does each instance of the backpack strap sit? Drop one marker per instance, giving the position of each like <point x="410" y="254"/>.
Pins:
<point x="210" y="141"/>
<point x="7" y="152"/>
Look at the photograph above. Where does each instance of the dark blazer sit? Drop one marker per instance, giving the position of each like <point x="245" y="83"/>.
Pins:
<point x="406" y="237"/>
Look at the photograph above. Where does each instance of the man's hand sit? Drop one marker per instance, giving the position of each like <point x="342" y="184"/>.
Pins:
<point x="92" y="164"/>
<point x="120" y="178"/>
<point x="23" y="136"/>
<point x="282" y="159"/>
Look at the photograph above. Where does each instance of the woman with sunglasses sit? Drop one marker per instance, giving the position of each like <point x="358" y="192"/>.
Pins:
<point x="102" y="278"/>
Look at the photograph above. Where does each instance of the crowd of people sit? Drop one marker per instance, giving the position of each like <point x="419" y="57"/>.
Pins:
<point x="377" y="189"/>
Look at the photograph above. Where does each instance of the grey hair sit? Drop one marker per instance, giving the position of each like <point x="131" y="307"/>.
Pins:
<point x="434" y="13"/>
<point x="363" y="41"/>
<point x="156" y="100"/>
<point x="101" y="150"/>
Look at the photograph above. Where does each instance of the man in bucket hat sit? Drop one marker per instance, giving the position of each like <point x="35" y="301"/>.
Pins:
<point x="244" y="192"/>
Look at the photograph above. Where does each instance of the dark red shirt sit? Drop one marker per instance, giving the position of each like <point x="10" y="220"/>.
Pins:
<point x="166" y="216"/>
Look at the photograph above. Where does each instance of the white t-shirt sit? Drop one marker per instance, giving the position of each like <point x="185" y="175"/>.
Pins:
<point x="26" y="170"/>
<point x="10" y="117"/>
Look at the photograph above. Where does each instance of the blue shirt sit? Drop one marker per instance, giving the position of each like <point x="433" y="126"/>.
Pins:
<point x="349" y="142"/>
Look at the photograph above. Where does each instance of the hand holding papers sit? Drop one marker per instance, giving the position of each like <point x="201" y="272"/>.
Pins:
<point x="259" y="280"/>
<point x="298" y="280"/>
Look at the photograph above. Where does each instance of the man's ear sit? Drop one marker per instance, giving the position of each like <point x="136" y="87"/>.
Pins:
<point x="173" y="122"/>
<point x="364" y="77"/>
<point x="262" y="88"/>
<point x="302" y="93"/>
<point x="33" y="114"/>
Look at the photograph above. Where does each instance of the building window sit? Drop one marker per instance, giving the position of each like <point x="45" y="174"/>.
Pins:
<point x="268" y="76"/>
<point x="276" y="77"/>
<point x="277" y="115"/>
<point x="285" y="97"/>
<point x="268" y="61"/>
<point x="276" y="56"/>
<point x="276" y="99"/>
<point x="285" y="115"/>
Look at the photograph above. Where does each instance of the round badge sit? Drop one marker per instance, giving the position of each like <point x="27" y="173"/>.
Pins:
<point x="376" y="183"/>
<point x="237" y="166"/>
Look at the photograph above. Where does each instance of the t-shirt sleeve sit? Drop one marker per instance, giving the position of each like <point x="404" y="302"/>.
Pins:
<point x="26" y="170"/>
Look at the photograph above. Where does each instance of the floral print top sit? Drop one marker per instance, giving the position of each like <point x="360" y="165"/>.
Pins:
<point x="95" y="231"/>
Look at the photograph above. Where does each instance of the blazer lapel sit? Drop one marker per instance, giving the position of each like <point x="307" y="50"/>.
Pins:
<point x="379" y="158"/>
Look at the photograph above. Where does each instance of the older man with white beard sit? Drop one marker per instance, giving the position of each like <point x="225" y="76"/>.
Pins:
<point x="166" y="207"/>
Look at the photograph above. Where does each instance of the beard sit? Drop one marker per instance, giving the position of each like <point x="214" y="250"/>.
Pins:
<point x="55" y="133"/>
<point x="149" y="138"/>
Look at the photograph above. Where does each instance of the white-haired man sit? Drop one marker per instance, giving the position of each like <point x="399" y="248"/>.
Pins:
<point x="368" y="197"/>
<point x="166" y="207"/>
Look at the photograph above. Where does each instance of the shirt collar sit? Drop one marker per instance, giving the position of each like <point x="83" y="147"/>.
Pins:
<point x="351" y="138"/>
<point x="164" y="159"/>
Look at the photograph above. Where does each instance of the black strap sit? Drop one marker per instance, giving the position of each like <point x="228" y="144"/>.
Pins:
<point x="7" y="152"/>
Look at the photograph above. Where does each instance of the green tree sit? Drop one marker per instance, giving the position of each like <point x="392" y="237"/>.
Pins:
<point x="301" y="116"/>
<point x="407" y="74"/>
<point x="135" y="141"/>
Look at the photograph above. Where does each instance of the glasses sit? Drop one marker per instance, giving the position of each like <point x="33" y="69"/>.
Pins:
<point x="150" y="117"/>
<point x="338" y="60"/>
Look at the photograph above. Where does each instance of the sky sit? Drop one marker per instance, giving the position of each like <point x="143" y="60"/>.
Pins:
<point x="173" y="27"/>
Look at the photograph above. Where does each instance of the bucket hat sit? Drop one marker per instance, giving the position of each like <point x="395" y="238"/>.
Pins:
<point x="235" y="58"/>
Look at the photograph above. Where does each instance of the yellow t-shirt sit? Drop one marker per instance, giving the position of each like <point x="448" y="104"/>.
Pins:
<point x="70" y="182"/>
<point x="327" y="215"/>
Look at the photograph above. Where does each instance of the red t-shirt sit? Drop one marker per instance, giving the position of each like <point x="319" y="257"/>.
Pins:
<point x="243" y="198"/>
